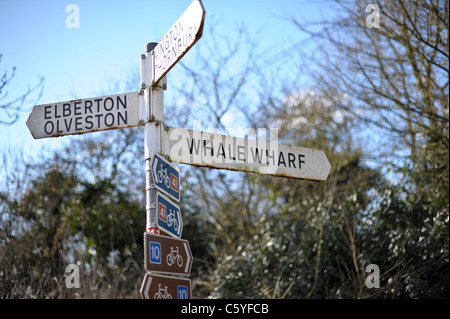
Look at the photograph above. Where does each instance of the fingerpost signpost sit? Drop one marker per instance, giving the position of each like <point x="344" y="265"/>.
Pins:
<point x="167" y="257"/>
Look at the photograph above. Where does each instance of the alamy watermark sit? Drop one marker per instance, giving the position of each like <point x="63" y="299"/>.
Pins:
<point x="73" y="276"/>
<point x="373" y="19"/>
<point x="373" y="279"/>
<point x="73" y="19"/>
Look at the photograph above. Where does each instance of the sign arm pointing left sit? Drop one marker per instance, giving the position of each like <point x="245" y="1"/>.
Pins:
<point x="86" y="115"/>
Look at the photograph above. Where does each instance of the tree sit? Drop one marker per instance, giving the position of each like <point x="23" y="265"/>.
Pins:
<point x="305" y="245"/>
<point x="319" y="237"/>
<point x="395" y="78"/>
<point x="11" y="107"/>
<point x="79" y="205"/>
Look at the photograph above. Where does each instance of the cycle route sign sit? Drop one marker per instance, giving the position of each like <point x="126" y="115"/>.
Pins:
<point x="163" y="287"/>
<point x="166" y="177"/>
<point x="167" y="255"/>
<point x="168" y="216"/>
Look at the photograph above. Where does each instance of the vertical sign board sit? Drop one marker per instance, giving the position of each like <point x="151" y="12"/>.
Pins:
<point x="85" y="115"/>
<point x="181" y="37"/>
<point x="167" y="255"/>
<point x="163" y="287"/>
<point x="168" y="216"/>
<point x="166" y="177"/>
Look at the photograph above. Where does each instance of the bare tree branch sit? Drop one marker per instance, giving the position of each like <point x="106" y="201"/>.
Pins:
<point x="10" y="109"/>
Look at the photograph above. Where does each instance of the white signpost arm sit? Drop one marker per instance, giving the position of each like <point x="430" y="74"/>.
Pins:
<point x="153" y="97"/>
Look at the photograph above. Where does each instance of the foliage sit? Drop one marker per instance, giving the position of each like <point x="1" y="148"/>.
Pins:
<point x="380" y="115"/>
<point x="65" y="218"/>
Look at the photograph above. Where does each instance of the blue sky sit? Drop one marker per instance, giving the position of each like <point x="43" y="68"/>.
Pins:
<point x="79" y="62"/>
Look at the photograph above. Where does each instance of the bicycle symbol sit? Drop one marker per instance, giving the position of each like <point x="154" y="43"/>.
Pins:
<point x="163" y="176"/>
<point x="172" y="219"/>
<point x="162" y="293"/>
<point x="174" y="256"/>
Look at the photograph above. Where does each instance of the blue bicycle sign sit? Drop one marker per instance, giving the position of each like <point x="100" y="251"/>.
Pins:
<point x="169" y="216"/>
<point x="166" y="177"/>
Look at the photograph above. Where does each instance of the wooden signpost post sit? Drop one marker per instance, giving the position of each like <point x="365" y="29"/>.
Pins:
<point x="170" y="255"/>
